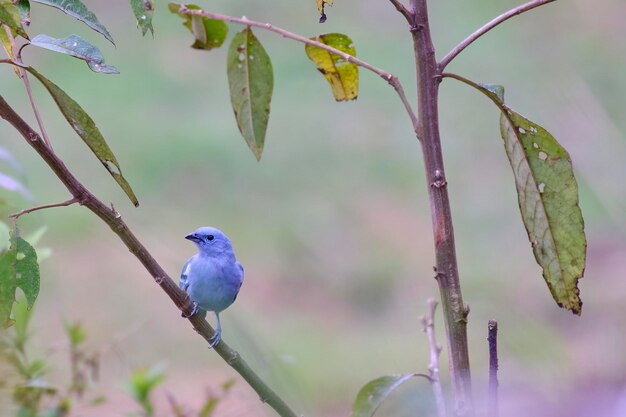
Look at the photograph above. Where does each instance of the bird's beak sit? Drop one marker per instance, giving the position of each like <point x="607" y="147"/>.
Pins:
<point x="193" y="237"/>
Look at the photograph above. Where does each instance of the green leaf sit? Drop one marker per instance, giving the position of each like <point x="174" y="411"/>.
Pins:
<point x="75" y="333"/>
<point x="343" y="76"/>
<point x="141" y="384"/>
<point x="78" y="10"/>
<point x="10" y="16"/>
<point x="87" y="130"/>
<point x="375" y="392"/>
<point x="18" y="269"/>
<point x="143" y="10"/>
<point x="77" y="47"/>
<point x="27" y="271"/>
<point x="251" y="82"/>
<point x="548" y="198"/>
<point x="209" y="33"/>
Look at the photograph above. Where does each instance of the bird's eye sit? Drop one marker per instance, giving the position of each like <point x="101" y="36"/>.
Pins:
<point x="210" y="237"/>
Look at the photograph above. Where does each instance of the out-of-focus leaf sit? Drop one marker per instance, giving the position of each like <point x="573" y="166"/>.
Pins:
<point x="141" y="385"/>
<point x="251" y="83"/>
<point x="548" y="198"/>
<point x="23" y="6"/>
<point x="27" y="271"/>
<point x="87" y="130"/>
<point x="321" y="4"/>
<point x="75" y="333"/>
<point x="18" y="269"/>
<point x="10" y="16"/>
<point x="209" y="33"/>
<point x="77" y="47"/>
<point x="343" y="76"/>
<point x="78" y="10"/>
<point x="6" y="156"/>
<point x="208" y="407"/>
<point x="375" y="392"/>
<point x="5" y="241"/>
<point x="143" y="11"/>
<point x="11" y="184"/>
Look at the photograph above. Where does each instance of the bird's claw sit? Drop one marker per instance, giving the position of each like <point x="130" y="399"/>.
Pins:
<point x="194" y="311"/>
<point x="215" y="339"/>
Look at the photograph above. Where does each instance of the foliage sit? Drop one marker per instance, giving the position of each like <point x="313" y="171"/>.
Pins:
<point x="545" y="184"/>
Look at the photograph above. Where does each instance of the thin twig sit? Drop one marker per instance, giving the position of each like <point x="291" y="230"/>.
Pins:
<point x="428" y="322"/>
<point x="400" y="8"/>
<point x="29" y="90"/>
<point x="390" y="78"/>
<point x="492" y="340"/>
<point x="114" y="220"/>
<point x="45" y="206"/>
<point x="487" y="27"/>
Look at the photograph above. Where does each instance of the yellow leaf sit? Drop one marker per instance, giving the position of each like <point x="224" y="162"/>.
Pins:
<point x="321" y="3"/>
<point x="343" y="76"/>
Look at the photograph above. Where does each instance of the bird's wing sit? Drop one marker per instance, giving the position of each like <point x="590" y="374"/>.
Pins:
<point x="240" y="281"/>
<point x="184" y="281"/>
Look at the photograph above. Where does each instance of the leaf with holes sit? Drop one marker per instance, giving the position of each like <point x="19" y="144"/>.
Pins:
<point x="77" y="47"/>
<point x="143" y="11"/>
<point x="251" y="83"/>
<point x="548" y="198"/>
<point x="343" y="76"/>
<point x="10" y="16"/>
<point x="375" y="392"/>
<point x="209" y="33"/>
<point x="18" y="269"/>
<point x="84" y="125"/>
<point x="78" y="10"/>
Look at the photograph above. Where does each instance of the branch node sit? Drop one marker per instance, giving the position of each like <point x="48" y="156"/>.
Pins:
<point x="439" y="180"/>
<point x="416" y="28"/>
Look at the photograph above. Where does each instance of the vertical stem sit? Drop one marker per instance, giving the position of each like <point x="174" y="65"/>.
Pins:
<point x="447" y="275"/>
<point x="492" y="340"/>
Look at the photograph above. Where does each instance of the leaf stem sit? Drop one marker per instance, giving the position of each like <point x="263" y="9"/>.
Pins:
<point x="29" y="90"/>
<point x="428" y="322"/>
<point x="114" y="220"/>
<point x="45" y="206"/>
<point x="487" y="27"/>
<point x="390" y="78"/>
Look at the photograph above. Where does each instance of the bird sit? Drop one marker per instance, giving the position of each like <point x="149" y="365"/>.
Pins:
<point x="212" y="277"/>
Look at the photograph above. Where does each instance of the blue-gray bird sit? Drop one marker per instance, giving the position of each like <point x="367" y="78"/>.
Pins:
<point x="213" y="276"/>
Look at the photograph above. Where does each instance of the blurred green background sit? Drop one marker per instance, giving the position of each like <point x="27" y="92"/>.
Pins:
<point x="333" y="225"/>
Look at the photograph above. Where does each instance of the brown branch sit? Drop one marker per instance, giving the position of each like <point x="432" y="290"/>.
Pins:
<point x="114" y="220"/>
<point x="390" y="78"/>
<point x="487" y="27"/>
<point x="447" y="274"/>
<point x="428" y="322"/>
<point x="492" y="340"/>
<point x="403" y="10"/>
<point x="45" y="206"/>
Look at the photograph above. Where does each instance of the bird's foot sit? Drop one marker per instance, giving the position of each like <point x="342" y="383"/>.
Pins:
<point x="215" y="339"/>
<point x="194" y="311"/>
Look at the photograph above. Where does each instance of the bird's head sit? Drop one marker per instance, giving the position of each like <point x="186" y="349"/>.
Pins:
<point x="210" y="241"/>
